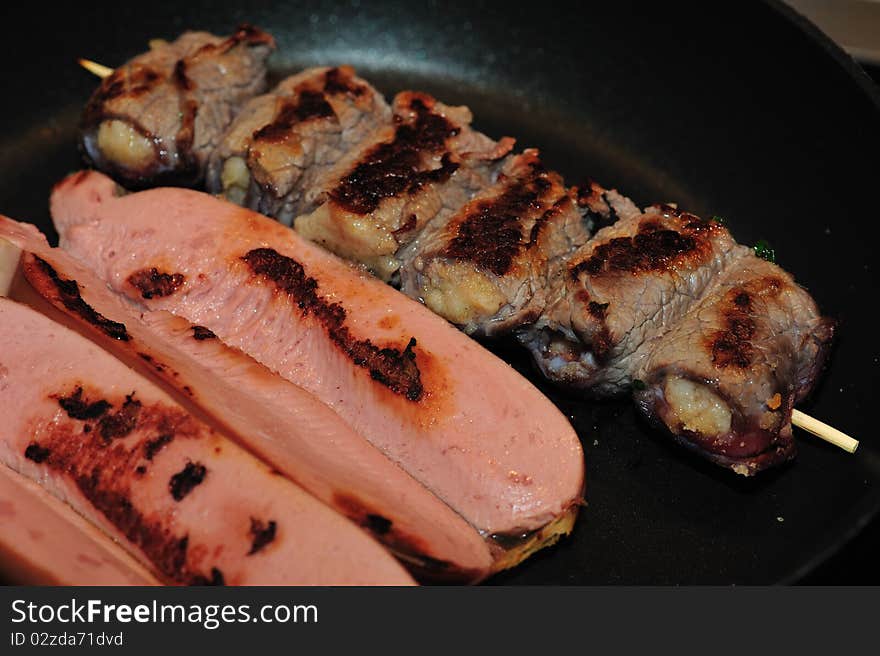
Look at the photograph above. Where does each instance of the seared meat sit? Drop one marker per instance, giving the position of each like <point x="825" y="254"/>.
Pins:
<point x="286" y="426"/>
<point x="622" y="290"/>
<point x="427" y="163"/>
<point x="716" y="343"/>
<point x="724" y="379"/>
<point x="486" y="267"/>
<point x="185" y="501"/>
<point x="282" y="142"/>
<point x="157" y="118"/>
<point x="499" y="454"/>
<point x="44" y="542"/>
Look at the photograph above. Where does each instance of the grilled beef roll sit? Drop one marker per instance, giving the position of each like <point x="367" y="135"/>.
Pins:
<point x="156" y="119"/>
<point x="282" y="142"/>
<point x="622" y="290"/>
<point x="486" y="268"/>
<point x="725" y="378"/>
<point x="425" y="163"/>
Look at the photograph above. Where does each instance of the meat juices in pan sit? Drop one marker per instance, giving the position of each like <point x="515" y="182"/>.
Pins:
<point x="157" y="118"/>
<point x="425" y="164"/>
<point x="174" y="492"/>
<point x="486" y="267"/>
<point x="283" y="424"/>
<point x="283" y="141"/>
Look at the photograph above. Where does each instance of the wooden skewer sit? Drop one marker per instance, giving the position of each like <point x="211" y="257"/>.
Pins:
<point x="95" y="68"/>
<point x="824" y="431"/>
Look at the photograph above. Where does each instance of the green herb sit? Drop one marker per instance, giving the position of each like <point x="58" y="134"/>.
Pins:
<point x="765" y="251"/>
<point x="717" y="219"/>
<point x="639" y="385"/>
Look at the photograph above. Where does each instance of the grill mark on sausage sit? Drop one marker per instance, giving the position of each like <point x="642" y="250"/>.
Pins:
<point x="78" y="408"/>
<point x="158" y="366"/>
<point x="36" y="452"/>
<point x="186" y="480"/>
<point x="152" y="447"/>
<point x="307" y="105"/>
<point x="731" y="346"/>
<point x="394" y="368"/>
<point x="378" y="524"/>
<point x="653" y="248"/>
<point x="262" y="533"/>
<point x="368" y="518"/>
<point x="200" y="333"/>
<point x="491" y="235"/>
<point x="151" y="282"/>
<point x="105" y="475"/>
<point x="67" y="292"/>
<point x="394" y="167"/>
<point x="121" y="423"/>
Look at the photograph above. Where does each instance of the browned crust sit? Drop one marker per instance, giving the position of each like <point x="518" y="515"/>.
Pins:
<point x="340" y="81"/>
<point x="731" y="346"/>
<point x="49" y="284"/>
<point x="200" y="333"/>
<point x="151" y="282"/>
<point x="395" y="368"/>
<point x="395" y="167"/>
<point x="307" y="105"/>
<point x="526" y="546"/>
<point x="491" y="235"/>
<point x="654" y="247"/>
<point x="408" y="548"/>
<point x="104" y="471"/>
<point x="135" y="80"/>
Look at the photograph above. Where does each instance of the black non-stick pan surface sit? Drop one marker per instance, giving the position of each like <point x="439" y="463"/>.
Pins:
<point x="735" y="109"/>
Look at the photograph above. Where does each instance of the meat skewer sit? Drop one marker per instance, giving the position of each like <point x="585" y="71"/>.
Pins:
<point x="488" y="268"/>
<point x="96" y="69"/>
<point x="378" y="197"/>
<point x="724" y="379"/>
<point x="158" y="117"/>
<point x="284" y="425"/>
<point x="282" y="142"/>
<point x="472" y="263"/>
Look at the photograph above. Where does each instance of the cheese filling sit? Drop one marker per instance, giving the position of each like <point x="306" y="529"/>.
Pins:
<point x="121" y="143"/>
<point x="696" y="407"/>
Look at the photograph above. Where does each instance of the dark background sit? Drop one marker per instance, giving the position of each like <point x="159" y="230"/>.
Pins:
<point x="858" y="563"/>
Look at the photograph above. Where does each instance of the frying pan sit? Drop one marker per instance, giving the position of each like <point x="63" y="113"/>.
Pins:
<point x="743" y="110"/>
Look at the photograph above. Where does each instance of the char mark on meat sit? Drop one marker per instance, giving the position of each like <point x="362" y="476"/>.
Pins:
<point x="394" y="368"/>
<point x="152" y="282"/>
<point x="145" y="125"/>
<point x="393" y="168"/>
<point x="40" y="273"/>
